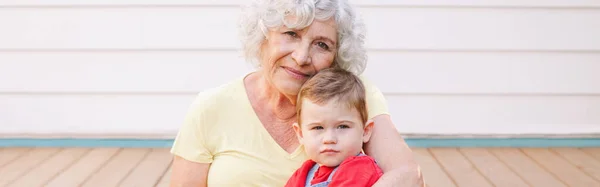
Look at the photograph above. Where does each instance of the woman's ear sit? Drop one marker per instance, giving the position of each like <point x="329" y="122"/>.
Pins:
<point x="368" y="130"/>
<point x="298" y="132"/>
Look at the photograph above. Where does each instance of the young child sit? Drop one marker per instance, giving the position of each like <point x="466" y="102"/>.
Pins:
<point x="332" y="126"/>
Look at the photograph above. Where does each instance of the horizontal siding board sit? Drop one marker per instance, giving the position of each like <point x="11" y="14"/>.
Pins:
<point x="485" y="73"/>
<point x="96" y="114"/>
<point x="483" y="29"/>
<point x="168" y="72"/>
<point x="494" y="3"/>
<point x="126" y="28"/>
<point x="160" y="114"/>
<point x="195" y="28"/>
<point x="467" y="114"/>
<point x="393" y="72"/>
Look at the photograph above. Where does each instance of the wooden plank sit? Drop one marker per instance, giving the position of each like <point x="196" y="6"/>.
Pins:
<point x="24" y="164"/>
<point x="117" y="168"/>
<point x="459" y="168"/>
<point x="594" y="152"/>
<point x="581" y="160"/>
<point x="150" y="170"/>
<point x="83" y="168"/>
<point x="51" y="167"/>
<point x="166" y="179"/>
<point x="9" y="154"/>
<point x="527" y="168"/>
<point x="560" y="167"/>
<point x="492" y="168"/>
<point x="433" y="173"/>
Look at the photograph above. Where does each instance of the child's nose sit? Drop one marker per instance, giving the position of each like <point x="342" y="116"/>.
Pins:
<point x="330" y="137"/>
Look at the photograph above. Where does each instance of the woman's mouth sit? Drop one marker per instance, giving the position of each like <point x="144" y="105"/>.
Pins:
<point x="295" y="73"/>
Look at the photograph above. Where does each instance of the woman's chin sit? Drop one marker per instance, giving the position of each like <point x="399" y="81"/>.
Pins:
<point x="290" y="91"/>
<point x="288" y="88"/>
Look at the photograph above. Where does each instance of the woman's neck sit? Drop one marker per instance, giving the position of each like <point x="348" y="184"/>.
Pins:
<point x="282" y="106"/>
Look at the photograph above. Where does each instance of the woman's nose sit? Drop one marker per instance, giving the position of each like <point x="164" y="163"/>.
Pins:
<point x="302" y="54"/>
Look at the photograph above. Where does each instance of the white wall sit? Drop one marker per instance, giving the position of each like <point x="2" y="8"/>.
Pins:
<point x="132" y="67"/>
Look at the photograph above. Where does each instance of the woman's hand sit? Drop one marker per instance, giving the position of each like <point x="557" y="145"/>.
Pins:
<point x="393" y="155"/>
<point x="188" y="174"/>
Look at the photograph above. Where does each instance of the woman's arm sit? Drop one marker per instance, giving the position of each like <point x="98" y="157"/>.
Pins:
<point x="188" y="174"/>
<point x="393" y="155"/>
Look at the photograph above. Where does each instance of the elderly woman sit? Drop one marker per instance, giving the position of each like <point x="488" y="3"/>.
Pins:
<point x="240" y="134"/>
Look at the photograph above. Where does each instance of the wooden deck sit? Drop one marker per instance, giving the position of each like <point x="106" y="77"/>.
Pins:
<point x="442" y="167"/>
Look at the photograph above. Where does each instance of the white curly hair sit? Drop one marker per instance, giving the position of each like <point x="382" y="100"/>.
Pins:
<point x="261" y="15"/>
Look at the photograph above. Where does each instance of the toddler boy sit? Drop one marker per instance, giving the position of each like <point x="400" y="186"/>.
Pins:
<point x="332" y="126"/>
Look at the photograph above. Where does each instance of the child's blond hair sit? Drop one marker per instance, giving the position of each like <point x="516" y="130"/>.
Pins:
<point x="334" y="84"/>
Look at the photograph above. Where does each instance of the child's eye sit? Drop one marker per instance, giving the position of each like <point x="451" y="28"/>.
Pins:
<point x="316" y="128"/>
<point x="343" y="126"/>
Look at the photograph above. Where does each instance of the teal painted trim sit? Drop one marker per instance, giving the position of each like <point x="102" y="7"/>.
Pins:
<point x="505" y="142"/>
<point x="126" y="143"/>
<point x="412" y="142"/>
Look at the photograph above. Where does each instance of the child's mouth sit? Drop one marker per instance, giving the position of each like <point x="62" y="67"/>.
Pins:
<point x="329" y="151"/>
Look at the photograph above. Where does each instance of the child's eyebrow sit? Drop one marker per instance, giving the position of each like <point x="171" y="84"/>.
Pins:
<point x="313" y="124"/>
<point x="347" y="121"/>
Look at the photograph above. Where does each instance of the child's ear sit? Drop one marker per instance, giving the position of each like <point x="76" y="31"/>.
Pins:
<point x="368" y="130"/>
<point x="298" y="132"/>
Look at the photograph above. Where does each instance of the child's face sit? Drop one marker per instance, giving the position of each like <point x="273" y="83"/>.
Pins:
<point x="331" y="132"/>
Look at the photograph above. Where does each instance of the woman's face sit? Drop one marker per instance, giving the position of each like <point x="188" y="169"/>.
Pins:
<point x="289" y="57"/>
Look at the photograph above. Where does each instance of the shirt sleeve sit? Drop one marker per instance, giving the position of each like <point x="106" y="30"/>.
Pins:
<point x="376" y="102"/>
<point x="190" y="142"/>
<point x="360" y="171"/>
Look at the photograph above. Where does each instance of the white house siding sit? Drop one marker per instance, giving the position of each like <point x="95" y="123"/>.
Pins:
<point x="467" y="67"/>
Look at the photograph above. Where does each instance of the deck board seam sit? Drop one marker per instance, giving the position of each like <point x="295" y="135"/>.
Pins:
<point x="442" y="166"/>
<point x="586" y="152"/>
<point x="459" y="150"/>
<point x="32" y="168"/>
<point x="544" y="168"/>
<point x="573" y="164"/>
<point x="148" y="152"/>
<point x="102" y="165"/>
<point x="164" y="173"/>
<point x="17" y="157"/>
<point x="68" y="166"/>
<point x="159" y="178"/>
<point x="508" y="166"/>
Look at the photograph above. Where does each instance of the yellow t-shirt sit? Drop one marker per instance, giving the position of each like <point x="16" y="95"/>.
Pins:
<point x="222" y="128"/>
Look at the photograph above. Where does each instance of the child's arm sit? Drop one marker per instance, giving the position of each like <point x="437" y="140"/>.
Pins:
<point x="359" y="171"/>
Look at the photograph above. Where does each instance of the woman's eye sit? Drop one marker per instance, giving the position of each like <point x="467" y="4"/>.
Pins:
<point x="323" y="45"/>
<point x="291" y="33"/>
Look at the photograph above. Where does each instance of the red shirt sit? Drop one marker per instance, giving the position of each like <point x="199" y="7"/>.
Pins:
<point x="354" y="171"/>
